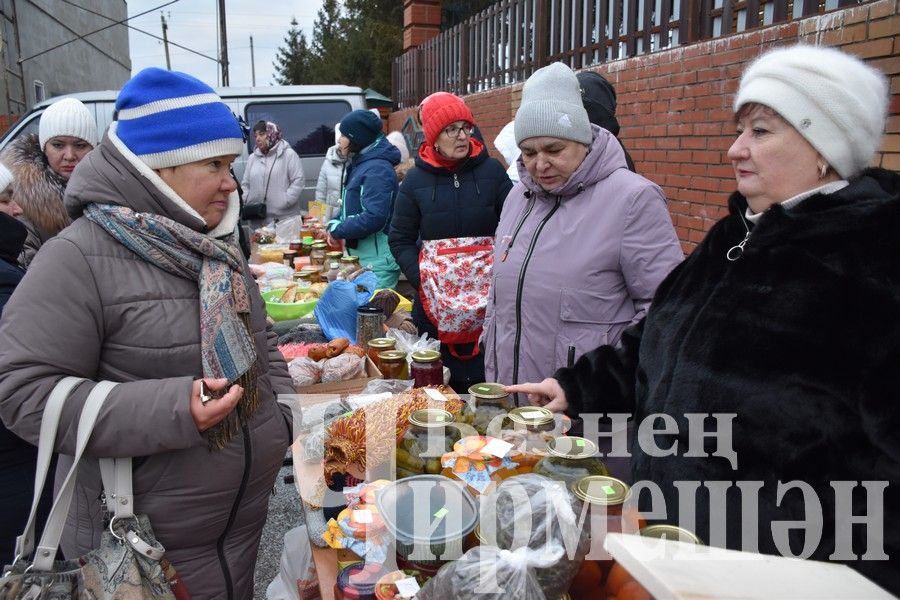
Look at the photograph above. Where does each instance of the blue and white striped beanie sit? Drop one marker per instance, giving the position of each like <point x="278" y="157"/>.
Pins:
<point x="169" y="119"/>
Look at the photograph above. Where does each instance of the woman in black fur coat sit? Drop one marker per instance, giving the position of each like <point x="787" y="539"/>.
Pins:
<point x="784" y="322"/>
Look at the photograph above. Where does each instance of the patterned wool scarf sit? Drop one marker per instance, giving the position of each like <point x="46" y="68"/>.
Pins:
<point x="226" y="344"/>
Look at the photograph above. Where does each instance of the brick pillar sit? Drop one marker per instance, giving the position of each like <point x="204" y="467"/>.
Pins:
<point x="421" y="22"/>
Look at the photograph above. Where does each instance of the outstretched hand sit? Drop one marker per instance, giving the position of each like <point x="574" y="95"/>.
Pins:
<point x="217" y="406"/>
<point x="547" y="393"/>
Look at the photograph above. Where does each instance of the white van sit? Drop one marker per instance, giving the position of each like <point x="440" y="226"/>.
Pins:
<point x="306" y="115"/>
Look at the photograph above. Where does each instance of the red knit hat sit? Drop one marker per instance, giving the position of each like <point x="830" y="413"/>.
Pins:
<point x="441" y="109"/>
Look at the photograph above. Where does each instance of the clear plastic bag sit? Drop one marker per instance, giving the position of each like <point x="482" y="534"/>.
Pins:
<point x="305" y="371"/>
<point x="297" y="576"/>
<point x="287" y="230"/>
<point x="485" y="573"/>
<point x="409" y="343"/>
<point x="343" y="367"/>
<point x="536" y="515"/>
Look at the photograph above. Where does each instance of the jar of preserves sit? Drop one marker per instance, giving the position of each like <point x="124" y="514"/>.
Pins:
<point x="530" y="429"/>
<point x="334" y="257"/>
<point x="427" y="368"/>
<point x="393" y="365"/>
<point x="369" y="324"/>
<point x="306" y="245"/>
<point x="604" y="499"/>
<point x="479" y="462"/>
<point x="333" y="272"/>
<point x="296" y="245"/>
<point x="620" y="583"/>
<point x="570" y="459"/>
<point x="377" y="346"/>
<point x="289" y="256"/>
<point x="487" y="402"/>
<point x="425" y="441"/>
<point x="317" y="254"/>
<point x="349" y="265"/>
<point x="312" y="274"/>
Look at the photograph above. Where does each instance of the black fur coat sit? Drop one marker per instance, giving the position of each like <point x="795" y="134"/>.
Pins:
<point x="800" y="338"/>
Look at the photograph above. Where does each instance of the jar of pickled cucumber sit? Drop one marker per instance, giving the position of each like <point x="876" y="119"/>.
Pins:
<point x="317" y="254"/>
<point x="426" y="439"/>
<point x="570" y="459"/>
<point x="488" y="402"/>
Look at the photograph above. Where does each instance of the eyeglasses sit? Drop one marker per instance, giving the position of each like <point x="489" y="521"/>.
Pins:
<point x="453" y="130"/>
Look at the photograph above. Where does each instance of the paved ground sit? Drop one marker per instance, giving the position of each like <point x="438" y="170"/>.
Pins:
<point x="284" y="514"/>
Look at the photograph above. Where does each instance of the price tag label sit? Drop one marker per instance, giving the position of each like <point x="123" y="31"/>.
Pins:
<point x="407" y="587"/>
<point x="483" y="388"/>
<point x="579" y="443"/>
<point x="497" y="448"/>
<point x="531" y="414"/>
<point x="609" y="490"/>
<point x="441" y="513"/>
<point x="362" y="516"/>
<point x="435" y="395"/>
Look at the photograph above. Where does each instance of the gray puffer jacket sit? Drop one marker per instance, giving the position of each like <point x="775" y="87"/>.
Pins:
<point x="90" y="307"/>
<point x="574" y="267"/>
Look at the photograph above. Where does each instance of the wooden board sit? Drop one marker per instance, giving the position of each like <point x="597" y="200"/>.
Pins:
<point x="676" y="570"/>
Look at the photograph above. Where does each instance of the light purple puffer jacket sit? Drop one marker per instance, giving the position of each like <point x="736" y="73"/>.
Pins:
<point x="575" y="267"/>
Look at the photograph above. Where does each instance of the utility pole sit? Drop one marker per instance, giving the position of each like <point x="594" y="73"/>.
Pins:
<point x="223" y="42"/>
<point x="165" y="28"/>
<point x="252" y="64"/>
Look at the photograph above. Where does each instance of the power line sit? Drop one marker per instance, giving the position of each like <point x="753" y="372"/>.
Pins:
<point x="81" y="37"/>
<point x="156" y="37"/>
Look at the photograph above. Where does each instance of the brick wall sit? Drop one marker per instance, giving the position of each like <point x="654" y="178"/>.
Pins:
<point x="675" y="106"/>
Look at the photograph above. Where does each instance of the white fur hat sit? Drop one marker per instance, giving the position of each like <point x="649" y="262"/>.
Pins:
<point x="833" y="99"/>
<point x="6" y="178"/>
<point x="67" y="117"/>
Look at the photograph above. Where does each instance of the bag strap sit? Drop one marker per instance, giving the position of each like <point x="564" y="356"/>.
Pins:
<point x="47" y="441"/>
<point x="47" y="547"/>
<point x="116" y="476"/>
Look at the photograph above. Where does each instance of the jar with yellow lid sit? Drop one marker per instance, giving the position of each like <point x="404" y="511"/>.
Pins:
<point x="427" y="368"/>
<point x="603" y="502"/>
<point x="378" y="345"/>
<point x="393" y="364"/>
<point x="530" y="429"/>
<point x="334" y="256"/>
<point x="621" y="585"/>
<point x="570" y="459"/>
<point x="426" y="439"/>
<point x="317" y="254"/>
<point x="488" y="402"/>
<point x="311" y="274"/>
<point x="306" y="245"/>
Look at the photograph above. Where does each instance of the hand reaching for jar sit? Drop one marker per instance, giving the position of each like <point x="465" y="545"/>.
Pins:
<point x="208" y="407"/>
<point x="547" y="393"/>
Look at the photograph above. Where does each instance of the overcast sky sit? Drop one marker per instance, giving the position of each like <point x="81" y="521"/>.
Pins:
<point x="193" y="23"/>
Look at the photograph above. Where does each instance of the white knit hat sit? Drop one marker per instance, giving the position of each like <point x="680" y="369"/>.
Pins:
<point x="6" y="178"/>
<point x="834" y="100"/>
<point x="551" y="107"/>
<point x="67" y="117"/>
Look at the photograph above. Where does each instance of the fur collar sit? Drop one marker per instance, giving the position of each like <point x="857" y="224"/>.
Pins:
<point x="39" y="189"/>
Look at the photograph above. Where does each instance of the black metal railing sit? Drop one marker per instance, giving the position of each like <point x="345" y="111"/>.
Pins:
<point x="507" y="42"/>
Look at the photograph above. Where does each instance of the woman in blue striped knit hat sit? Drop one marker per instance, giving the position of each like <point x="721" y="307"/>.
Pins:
<point x="148" y="288"/>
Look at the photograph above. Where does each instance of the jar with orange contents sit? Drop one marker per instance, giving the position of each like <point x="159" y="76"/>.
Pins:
<point x="478" y="461"/>
<point x="530" y="429"/>
<point x="378" y="345"/>
<point x="620" y="585"/>
<point x="393" y="365"/>
<point x="605" y="507"/>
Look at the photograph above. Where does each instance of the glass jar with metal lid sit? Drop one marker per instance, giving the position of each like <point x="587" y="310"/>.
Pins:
<point x="426" y="439"/>
<point x="306" y="245"/>
<point x="530" y="429"/>
<point x="487" y="402"/>
<point x="349" y="265"/>
<point x="570" y="459"/>
<point x="334" y="256"/>
<point x="311" y="274"/>
<point x="393" y="365"/>
<point x="317" y="253"/>
<point x="427" y="368"/>
<point x="378" y="345"/>
<point x="605" y="499"/>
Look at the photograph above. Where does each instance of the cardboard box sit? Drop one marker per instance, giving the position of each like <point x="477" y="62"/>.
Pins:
<point x="350" y="386"/>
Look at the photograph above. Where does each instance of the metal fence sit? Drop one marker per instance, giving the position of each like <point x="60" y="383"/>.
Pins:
<point x="510" y="40"/>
